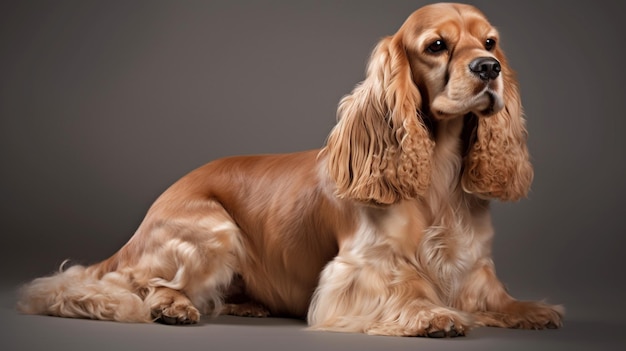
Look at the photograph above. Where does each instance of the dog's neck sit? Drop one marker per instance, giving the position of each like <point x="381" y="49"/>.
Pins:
<point x="446" y="162"/>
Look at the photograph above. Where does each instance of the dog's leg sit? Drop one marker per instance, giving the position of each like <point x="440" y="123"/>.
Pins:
<point x="189" y="260"/>
<point x="180" y="261"/>
<point x="486" y="298"/>
<point x="386" y="299"/>
<point x="238" y="303"/>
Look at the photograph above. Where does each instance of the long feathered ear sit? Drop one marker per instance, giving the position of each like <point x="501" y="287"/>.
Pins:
<point x="498" y="165"/>
<point x="379" y="152"/>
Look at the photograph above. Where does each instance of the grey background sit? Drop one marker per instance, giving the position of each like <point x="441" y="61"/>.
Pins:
<point x="103" y="104"/>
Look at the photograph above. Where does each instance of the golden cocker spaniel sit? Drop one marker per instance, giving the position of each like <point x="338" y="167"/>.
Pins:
<point x="385" y="230"/>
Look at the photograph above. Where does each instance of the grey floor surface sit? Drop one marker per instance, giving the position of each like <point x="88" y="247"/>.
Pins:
<point x="21" y="332"/>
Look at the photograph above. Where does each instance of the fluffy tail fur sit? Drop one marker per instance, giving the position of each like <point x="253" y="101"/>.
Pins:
<point x="84" y="292"/>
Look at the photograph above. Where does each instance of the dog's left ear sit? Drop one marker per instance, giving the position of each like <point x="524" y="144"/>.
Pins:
<point x="497" y="164"/>
<point x="379" y="152"/>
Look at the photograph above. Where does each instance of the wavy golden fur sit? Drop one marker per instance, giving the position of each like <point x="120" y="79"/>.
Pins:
<point x="386" y="230"/>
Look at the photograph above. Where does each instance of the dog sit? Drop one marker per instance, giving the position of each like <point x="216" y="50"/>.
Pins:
<point x="385" y="230"/>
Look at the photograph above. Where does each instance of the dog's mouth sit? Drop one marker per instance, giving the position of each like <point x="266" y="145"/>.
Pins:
<point x="484" y="104"/>
<point x="491" y="102"/>
<point x="494" y="105"/>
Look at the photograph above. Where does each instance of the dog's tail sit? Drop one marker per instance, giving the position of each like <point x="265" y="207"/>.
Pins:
<point x="94" y="292"/>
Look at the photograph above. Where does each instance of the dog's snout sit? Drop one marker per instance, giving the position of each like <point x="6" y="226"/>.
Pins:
<point x="486" y="68"/>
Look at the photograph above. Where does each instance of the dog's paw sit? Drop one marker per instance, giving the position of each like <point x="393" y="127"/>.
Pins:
<point x="442" y="326"/>
<point x="524" y="315"/>
<point x="437" y="322"/>
<point x="247" y="309"/>
<point x="176" y="314"/>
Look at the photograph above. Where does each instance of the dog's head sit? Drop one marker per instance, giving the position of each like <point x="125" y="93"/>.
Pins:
<point x="444" y="62"/>
<point x="455" y="60"/>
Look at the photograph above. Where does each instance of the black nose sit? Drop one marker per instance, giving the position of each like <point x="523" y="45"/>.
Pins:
<point x="485" y="67"/>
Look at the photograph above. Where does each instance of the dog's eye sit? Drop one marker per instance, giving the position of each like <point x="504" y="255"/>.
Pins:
<point x="437" y="46"/>
<point x="490" y="44"/>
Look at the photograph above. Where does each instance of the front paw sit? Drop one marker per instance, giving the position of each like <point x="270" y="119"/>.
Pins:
<point x="436" y="322"/>
<point x="523" y="315"/>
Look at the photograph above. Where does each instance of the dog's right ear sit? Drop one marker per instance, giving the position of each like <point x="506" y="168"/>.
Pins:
<point x="379" y="152"/>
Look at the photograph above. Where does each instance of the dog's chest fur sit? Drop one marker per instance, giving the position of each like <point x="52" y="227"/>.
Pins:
<point x="448" y="247"/>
